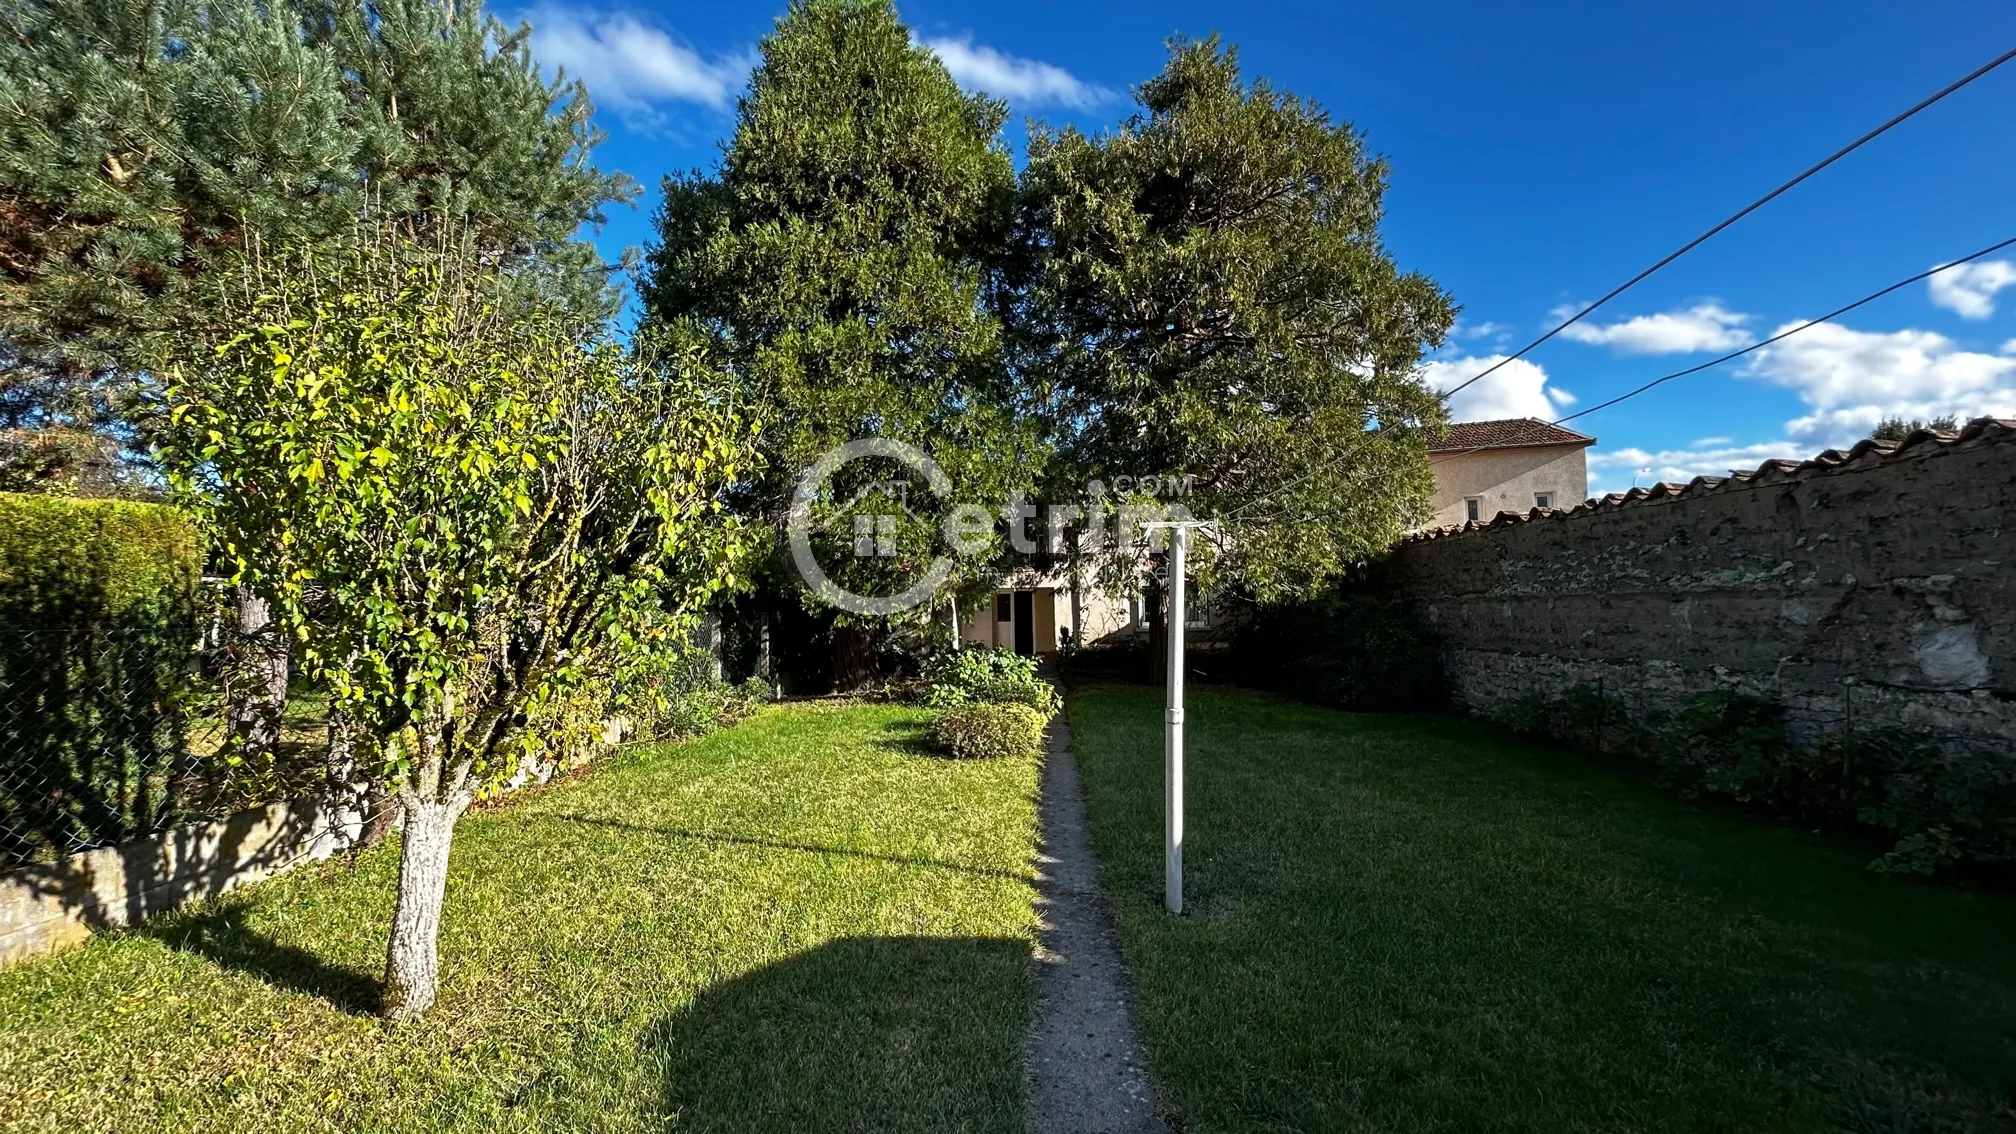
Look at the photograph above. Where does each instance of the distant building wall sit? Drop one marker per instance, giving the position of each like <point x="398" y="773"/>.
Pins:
<point x="1506" y="480"/>
<point x="1877" y="585"/>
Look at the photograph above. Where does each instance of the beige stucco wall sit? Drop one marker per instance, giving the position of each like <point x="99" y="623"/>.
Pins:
<point x="1507" y="480"/>
<point x="1103" y="616"/>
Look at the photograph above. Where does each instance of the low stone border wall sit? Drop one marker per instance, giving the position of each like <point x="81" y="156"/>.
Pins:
<point x="44" y="908"/>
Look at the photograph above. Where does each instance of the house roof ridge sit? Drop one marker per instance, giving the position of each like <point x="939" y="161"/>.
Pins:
<point x="1506" y="433"/>
<point x="1862" y="455"/>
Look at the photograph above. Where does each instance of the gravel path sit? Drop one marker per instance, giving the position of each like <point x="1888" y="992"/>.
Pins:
<point x="1085" y="1073"/>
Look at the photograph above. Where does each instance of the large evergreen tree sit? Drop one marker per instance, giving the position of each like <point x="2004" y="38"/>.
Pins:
<point x="1205" y="293"/>
<point x="841" y="259"/>
<point x="143" y="143"/>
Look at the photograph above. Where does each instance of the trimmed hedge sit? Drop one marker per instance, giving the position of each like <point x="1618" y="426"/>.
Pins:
<point x="98" y="627"/>
<point x="978" y="730"/>
<point x="67" y="563"/>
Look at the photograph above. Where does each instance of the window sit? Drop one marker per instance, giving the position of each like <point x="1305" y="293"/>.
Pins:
<point x="1004" y="607"/>
<point x="1196" y="612"/>
<point x="1543" y="500"/>
<point x="1473" y="507"/>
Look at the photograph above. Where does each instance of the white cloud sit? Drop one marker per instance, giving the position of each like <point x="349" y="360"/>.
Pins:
<point x="1851" y="380"/>
<point x="1028" y="82"/>
<point x="1613" y="470"/>
<point x="1517" y="389"/>
<point x="1969" y="289"/>
<point x="1478" y="330"/>
<point x="1705" y="326"/>
<point x="630" y="66"/>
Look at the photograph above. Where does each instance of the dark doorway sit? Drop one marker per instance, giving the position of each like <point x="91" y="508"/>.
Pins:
<point x="1025" y="622"/>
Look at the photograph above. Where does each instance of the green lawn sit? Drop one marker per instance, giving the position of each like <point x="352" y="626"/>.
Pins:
<point x="805" y="923"/>
<point x="1411" y="923"/>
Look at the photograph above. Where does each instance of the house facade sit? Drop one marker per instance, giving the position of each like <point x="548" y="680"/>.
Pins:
<point x="1483" y="468"/>
<point x="1030" y="614"/>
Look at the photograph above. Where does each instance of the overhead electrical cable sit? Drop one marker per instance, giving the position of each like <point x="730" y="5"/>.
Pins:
<point x="1752" y="207"/>
<point x="1780" y="336"/>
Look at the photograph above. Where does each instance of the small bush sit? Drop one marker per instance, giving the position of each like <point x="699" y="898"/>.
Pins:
<point x="665" y="690"/>
<point x="676" y="692"/>
<point x="988" y="676"/>
<point x="1581" y="717"/>
<point x="1947" y="808"/>
<point x="978" y="730"/>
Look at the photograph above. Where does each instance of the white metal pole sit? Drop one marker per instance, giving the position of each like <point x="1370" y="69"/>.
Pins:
<point x="1172" y="769"/>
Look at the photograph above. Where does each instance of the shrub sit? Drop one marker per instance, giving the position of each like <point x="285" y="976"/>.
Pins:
<point x="1947" y="808"/>
<point x="1581" y="716"/>
<point x="979" y="730"/>
<point x="1731" y="745"/>
<point x="67" y="563"/>
<point x="97" y="633"/>
<point x="676" y="692"/>
<point x="989" y="676"/>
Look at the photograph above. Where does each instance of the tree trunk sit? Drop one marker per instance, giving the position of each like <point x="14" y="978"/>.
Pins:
<point x="346" y="790"/>
<point x="259" y="693"/>
<point x="853" y="658"/>
<point x="412" y="963"/>
<point x="1156" y="603"/>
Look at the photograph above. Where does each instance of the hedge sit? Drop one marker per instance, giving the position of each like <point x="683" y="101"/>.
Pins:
<point x="98" y="624"/>
<point x="67" y="563"/>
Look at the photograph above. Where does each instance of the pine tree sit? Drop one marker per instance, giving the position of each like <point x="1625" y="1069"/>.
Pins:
<point x="144" y="143"/>
<point x="841" y="258"/>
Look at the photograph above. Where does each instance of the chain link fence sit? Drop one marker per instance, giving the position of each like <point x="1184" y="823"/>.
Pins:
<point x="110" y="734"/>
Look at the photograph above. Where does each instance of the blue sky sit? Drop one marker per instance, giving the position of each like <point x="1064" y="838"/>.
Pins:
<point x="1541" y="154"/>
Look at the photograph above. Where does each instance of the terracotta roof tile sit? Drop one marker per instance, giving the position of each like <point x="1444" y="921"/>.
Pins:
<point x="1865" y="455"/>
<point x="1511" y="433"/>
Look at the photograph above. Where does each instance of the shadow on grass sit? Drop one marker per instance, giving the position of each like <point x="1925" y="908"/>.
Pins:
<point x="776" y="844"/>
<point x="218" y="933"/>
<point x="912" y="738"/>
<point x="859" y="1034"/>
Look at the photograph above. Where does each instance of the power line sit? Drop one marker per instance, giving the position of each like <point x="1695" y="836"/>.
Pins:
<point x="1829" y="317"/>
<point x="1752" y="207"/>
<point x="1664" y="378"/>
<point x="1785" y="334"/>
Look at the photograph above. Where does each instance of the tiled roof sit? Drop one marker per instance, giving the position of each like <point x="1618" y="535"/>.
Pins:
<point x="1511" y="433"/>
<point x="1865" y="455"/>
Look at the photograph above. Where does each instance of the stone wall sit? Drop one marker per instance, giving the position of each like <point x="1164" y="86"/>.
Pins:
<point x="1875" y="588"/>
<point x="45" y="907"/>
